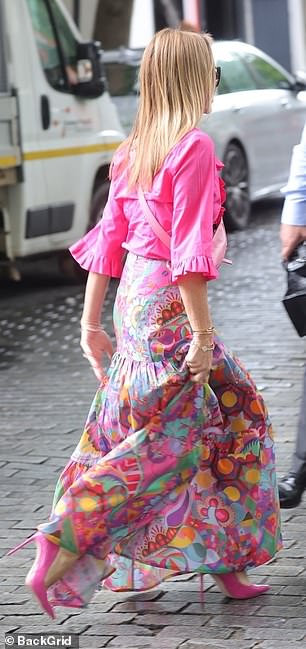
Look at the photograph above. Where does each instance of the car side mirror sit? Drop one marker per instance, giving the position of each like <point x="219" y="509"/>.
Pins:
<point x="85" y="72"/>
<point x="90" y="80"/>
<point x="299" y="82"/>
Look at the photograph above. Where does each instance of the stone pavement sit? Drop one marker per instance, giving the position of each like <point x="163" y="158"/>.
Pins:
<point x="46" y="387"/>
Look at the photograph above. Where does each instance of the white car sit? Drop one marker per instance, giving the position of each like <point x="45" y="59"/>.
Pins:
<point x="258" y="115"/>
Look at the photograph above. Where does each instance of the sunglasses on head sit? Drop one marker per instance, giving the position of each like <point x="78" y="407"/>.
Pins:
<point x="218" y="75"/>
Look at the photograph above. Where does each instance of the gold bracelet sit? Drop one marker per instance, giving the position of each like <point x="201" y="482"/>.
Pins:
<point x="210" y="330"/>
<point x="204" y="348"/>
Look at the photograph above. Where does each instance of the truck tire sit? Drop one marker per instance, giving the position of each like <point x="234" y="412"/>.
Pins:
<point x="236" y="178"/>
<point x="98" y="202"/>
<point x="67" y="265"/>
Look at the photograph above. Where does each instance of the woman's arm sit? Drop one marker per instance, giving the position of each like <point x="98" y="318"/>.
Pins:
<point x="94" y="340"/>
<point x="96" y="288"/>
<point x="193" y="289"/>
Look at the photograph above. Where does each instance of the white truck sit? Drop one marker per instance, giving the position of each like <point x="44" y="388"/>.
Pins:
<point x="58" y="131"/>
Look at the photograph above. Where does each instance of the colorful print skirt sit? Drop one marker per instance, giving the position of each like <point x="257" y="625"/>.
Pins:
<point x="169" y="476"/>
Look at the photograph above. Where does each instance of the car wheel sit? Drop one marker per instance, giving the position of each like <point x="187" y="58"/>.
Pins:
<point x="236" y="178"/>
<point x="98" y="202"/>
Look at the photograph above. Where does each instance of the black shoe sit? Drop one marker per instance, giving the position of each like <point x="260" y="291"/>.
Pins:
<point x="291" y="488"/>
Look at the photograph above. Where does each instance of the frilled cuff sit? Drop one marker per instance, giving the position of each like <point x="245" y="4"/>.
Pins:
<point x="88" y="255"/>
<point x="198" y="264"/>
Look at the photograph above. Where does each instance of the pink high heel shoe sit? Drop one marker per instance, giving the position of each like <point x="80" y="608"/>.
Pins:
<point x="51" y="562"/>
<point x="236" y="588"/>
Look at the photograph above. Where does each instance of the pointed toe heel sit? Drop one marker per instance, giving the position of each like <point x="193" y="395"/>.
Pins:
<point x="51" y="562"/>
<point x="232" y="586"/>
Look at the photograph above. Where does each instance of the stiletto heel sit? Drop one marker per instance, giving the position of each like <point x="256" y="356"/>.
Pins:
<point x="233" y="587"/>
<point x="202" y="596"/>
<point x="21" y="545"/>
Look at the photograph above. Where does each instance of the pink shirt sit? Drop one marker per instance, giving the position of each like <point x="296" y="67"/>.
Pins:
<point x="186" y="198"/>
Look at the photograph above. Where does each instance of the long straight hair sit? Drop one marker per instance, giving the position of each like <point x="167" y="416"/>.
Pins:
<point x="177" y="84"/>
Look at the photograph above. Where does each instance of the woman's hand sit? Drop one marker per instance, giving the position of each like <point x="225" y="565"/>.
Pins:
<point x="95" y="342"/>
<point x="199" y="359"/>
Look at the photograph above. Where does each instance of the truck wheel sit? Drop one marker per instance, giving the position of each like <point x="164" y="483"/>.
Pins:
<point x="98" y="202"/>
<point x="67" y="266"/>
<point x="236" y="178"/>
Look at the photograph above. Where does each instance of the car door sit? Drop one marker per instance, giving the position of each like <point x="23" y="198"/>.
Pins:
<point x="257" y="112"/>
<point x="290" y="110"/>
<point x="70" y="126"/>
<point x="257" y="116"/>
<point x="238" y="113"/>
<point x="54" y="74"/>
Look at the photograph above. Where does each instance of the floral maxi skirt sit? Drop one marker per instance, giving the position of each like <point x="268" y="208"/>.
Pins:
<point x="169" y="476"/>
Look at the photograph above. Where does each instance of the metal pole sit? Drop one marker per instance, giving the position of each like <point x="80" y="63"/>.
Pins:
<point x="203" y="15"/>
<point x="191" y="13"/>
<point x="76" y="12"/>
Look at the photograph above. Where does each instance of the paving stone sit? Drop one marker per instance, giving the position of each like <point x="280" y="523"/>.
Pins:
<point x="69" y="627"/>
<point x="281" y="600"/>
<point x="10" y="597"/>
<point x="94" y="642"/>
<point x="138" y="642"/>
<point x="268" y="644"/>
<point x="296" y="623"/>
<point x="165" y="620"/>
<point x="37" y="620"/>
<point x="187" y="632"/>
<point x="214" y="608"/>
<point x="231" y="621"/>
<point x="169" y="643"/>
<point x="298" y="589"/>
<point x="185" y="599"/>
<point x="282" y="611"/>
<point x="273" y="634"/>
<point x="152" y="607"/>
<point x="118" y="629"/>
<point x="91" y="613"/>
<point x="109" y="619"/>
<point x="216" y="644"/>
<point x="131" y="642"/>
<point x="148" y="596"/>
<point x="298" y="582"/>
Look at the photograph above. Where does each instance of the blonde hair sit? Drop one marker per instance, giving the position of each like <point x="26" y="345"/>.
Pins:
<point x="177" y="84"/>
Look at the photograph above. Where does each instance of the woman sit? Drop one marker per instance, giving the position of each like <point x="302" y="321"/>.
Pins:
<point x="175" y="471"/>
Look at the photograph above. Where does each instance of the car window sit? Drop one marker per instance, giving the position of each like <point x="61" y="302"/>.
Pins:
<point x="266" y="74"/>
<point x="122" y="78"/>
<point x="65" y="35"/>
<point x="58" y="62"/>
<point x="235" y="76"/>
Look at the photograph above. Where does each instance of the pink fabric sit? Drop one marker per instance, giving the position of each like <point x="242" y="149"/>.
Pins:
<point x="186" y="198"/>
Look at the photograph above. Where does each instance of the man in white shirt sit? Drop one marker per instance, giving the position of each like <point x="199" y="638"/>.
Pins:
<point x="293" y="232"/>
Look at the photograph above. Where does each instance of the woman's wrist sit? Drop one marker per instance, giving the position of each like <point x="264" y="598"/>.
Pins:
<point x="209" y="330"/>
<point x="87" y="325"/>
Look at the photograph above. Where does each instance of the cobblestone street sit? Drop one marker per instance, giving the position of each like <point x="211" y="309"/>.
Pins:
<point x="46" y="390"/>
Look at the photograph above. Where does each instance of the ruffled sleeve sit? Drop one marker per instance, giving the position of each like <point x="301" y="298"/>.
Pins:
<point x="194" y="190"/>
<point x="100" y="250"/>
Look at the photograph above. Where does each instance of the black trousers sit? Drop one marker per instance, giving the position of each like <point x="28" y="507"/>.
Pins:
<point x="299" y="456"/>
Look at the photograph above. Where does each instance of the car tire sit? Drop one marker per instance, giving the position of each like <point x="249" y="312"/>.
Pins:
<point x="236" y="177"/>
